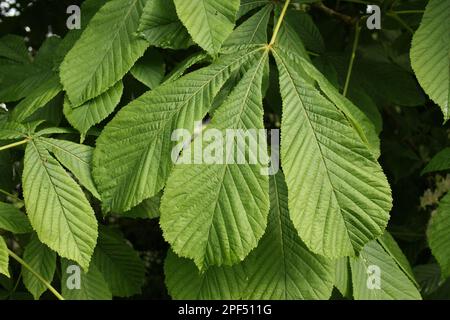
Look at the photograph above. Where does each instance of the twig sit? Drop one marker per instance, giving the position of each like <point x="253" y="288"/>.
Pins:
<point x="345" y="18"/>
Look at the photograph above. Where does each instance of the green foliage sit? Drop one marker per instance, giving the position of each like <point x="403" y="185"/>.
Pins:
<point x="95" y="183"/>
<point x="430" y="54"/>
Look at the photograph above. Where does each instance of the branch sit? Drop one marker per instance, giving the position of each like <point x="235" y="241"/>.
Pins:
<point x="345" y="18"/>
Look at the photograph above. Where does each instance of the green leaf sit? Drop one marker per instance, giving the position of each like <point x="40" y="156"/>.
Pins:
<point x="42" y="260"/>
<point x="147" y="209"/>
<point x="56" y="206"/>
<point x="440" y="162"/>
<point x="150" y="69"/>
<point x="390" y="246"/>
<point x="37" y="99"/>
<point x="13" y="48"/>
<point x="251" y="32"/>
<point x="93" y="285"/>
<point x="184" y="281"/>
<point x="248" y="5"/>
<point x="160" y="26"/>
<point x="132" y="159"/>
<point x="120" y="265"/>
<point x="209" y="22"/>
<point x="439" y="235"/>
<point x="430" y="53"/>
<point x="105" y="52"/>
<point x="204" y="225"/>
<point x="13" y="220"/>
<point x="288" y="39"/>
<point x="4" y="258"/>
<point x="94" y="111"/>
<point x="429" y="277"/>
<point x="77" y="158"/>
<point x="184" y="65"/>
<point x="343" y="277"/>
<point x="282" y="267"/>
<point x="339" y="198"/>
<point x="306" y="29"/>
<point x="89" y="8"/>
<point x="12" y="130"/>
<point x="360" y="122"/>
<point x="394" y="283"/>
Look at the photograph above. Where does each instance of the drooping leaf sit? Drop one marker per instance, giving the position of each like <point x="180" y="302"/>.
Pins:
<point x="440" y="162"/>
<point x="42" y="260"/>
<point x="93" y="285"/>
<point x="4" y="258"/>
<point x="439" y="235"/>
<point x="209" y="22"/>
<point x="132" y="159"/>
<point x="56" y="206"/>
<point x="150" y="69"/>
<point x="184" y="281"/>
<point x="204" y="225"/>
<point x="339" y="198"/>
<point x="75" y="157"/>
<point x="430" y="56"/>
<point x="282" y="267"/>
<point x="120" y="265"/>
<point x="106" y="50"/>
<point x="13" y="220"/>
<point x="393" y="283"/>
<point x="160" y="26"/>
<point x="94" y="111"/>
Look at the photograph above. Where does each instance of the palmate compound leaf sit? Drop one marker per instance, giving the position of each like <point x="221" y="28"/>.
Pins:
<point x="132" y="159"/>
<point x="42" y="260"/>
<point x="4" y="258"/>
<point x="430" y="53"/>
<point x="209" y="22"/>
<point x="215" y="212"/>
<point x="57" y="207"/>
<point x="439" y="235"/>
<point x="376" y="275"/>
<point x="339" y="198"/>
<point x="93" y="111"/>
<point x="105" y="52"/>
<point x="281" y="267"/>
<point x="13" y="220"/>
